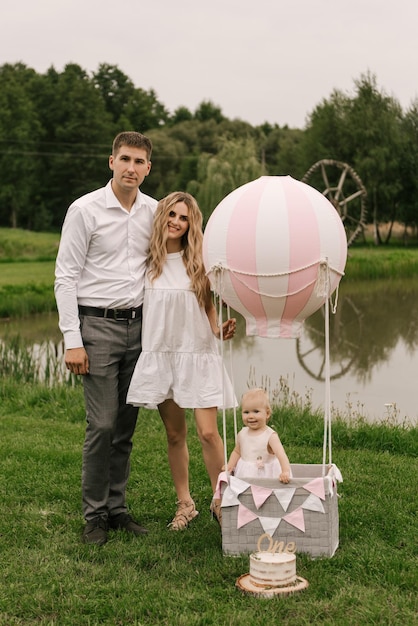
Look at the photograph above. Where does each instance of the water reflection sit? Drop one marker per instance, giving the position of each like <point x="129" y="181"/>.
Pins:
<point x="373" y="351"/>
<point x="346" y="329"/>
<point x="370" y="322"/>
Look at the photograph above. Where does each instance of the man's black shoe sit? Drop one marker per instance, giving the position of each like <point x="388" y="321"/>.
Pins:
<point x="95" y="531"/>
<point x="124" y="521"/>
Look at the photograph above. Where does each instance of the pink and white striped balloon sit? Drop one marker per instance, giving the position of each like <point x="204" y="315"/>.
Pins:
<point x="265" y="249"/>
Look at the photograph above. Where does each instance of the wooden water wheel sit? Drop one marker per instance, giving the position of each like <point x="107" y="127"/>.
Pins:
<point x="343" y="187"/>
<point x="346" y="331"/>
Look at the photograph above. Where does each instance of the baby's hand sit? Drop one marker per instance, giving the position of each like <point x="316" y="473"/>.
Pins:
<point x="284" y="477"/>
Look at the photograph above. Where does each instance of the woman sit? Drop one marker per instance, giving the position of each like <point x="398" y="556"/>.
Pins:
<point x="180" y="366"/>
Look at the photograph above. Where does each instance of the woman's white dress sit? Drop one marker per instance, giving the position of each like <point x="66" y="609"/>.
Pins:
<point x="255" y="460"/>
<point x="180" y="358"/>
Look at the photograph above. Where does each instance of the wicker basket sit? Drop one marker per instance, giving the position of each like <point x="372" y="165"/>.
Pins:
<point x="317" y="514"/>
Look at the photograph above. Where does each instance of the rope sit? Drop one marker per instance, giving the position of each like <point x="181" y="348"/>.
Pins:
<point x="322" y="289"/>
<point x="219" y="268"/>
<point x="327" y="399"/>
<point x="218" y="295"/>
<point x="231" y="369"/>
<point x="218" y="291"/>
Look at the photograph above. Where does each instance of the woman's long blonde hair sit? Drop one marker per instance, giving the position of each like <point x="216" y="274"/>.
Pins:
<point x="191" y="243"/>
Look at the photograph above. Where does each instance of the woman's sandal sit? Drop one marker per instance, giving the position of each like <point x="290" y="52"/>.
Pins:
<point x="215" y="509"/>
<point x="186" y="512"/>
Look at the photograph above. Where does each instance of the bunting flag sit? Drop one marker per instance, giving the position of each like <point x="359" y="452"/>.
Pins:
<point x="296" y="519"/>
<point x="270" y="524"/>
<point x="317" y="487"/>
<point x="229" y="498"/>
<point x="260" y="494"/>
<point x="284" y="496"/>
<point x="336" y="473"/>
<point x="313" y="503"/>
<point x="221" y="478"/>
<point x="237" y="485"/>
<point x="245" y="516"/>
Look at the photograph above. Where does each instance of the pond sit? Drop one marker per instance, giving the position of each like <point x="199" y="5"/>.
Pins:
<point x="373" y="352"/>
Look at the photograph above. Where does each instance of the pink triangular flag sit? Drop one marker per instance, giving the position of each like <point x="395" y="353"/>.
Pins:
<point x="222" y="478"/>
<point x="245" y="516"/>
<point x="296" y="519"/>
<point x="317" y="487"/>
<point x="260" y="494"/>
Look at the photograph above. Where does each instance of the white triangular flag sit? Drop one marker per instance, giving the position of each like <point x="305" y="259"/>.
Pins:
<point x="237" y="485"/>
<point x="313" y="503"/>
<point x="270" y="524"/>
<point x="284" y="496"/>
<point x="229" y="498"/>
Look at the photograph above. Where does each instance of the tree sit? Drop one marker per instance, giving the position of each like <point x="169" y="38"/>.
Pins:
<point x="20" y="131"/>
<point x="364" y="131"/>
<point x="77" y="138"/>
<point x="182" y="114"/>
<point x="408" y="203"/>
<point x="115" y="89"/>
<point x="374" y="133"/>
<point x="131" y="108"/>
<point x="167" y="158"/>
<point x="281" y="151"/>
<point x="235" y="164"/>
<point x="324" y="137"/>
<point x="143" y="111"/>
<point x="208" y="111"/>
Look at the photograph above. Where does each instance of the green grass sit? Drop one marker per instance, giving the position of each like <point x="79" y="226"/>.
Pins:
<point x="369" y="263"/>
<point x="22" y="273"/>
<point x="27" y="261"/>
<point x="17" y="301"/>
<point x="18" y="244"/>
<point x="49" y="577"/>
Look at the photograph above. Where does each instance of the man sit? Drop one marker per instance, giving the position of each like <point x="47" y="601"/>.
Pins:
<point x="99" y="287"/>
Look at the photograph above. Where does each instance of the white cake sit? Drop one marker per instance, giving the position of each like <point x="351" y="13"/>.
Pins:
<point x="272" y="569"/>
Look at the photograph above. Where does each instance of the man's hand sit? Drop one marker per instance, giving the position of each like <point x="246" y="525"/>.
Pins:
<point x="77" y="361"/>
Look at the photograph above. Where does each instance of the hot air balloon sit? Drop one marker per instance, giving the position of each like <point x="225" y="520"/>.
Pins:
<point x="275" y="250"/>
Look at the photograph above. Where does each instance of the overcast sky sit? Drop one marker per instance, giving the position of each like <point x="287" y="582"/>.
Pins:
<point x="258" y="60"/>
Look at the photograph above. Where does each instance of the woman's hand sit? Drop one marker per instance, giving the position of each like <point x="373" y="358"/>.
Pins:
<point x="228" y="329"/>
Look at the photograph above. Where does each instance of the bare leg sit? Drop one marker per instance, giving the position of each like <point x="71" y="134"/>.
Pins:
<point x="178" y="457"/>
<point x="174" y="420"/>
<point x="210" y="439"/>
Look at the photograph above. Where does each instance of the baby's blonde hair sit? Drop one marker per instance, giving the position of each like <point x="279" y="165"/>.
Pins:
<point x="253" y="393"/>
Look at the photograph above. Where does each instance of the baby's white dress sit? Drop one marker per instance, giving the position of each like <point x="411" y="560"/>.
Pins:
<point x="255" y="460"/>
<point x="180" y="358"/>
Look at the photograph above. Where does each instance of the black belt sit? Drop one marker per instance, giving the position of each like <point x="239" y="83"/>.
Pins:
<point x="114" y="314"/>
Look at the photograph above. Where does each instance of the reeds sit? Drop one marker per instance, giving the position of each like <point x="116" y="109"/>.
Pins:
<point x="27" y="362"/>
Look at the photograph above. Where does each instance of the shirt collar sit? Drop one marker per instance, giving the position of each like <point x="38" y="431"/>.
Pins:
<point x="112" y="201"/>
